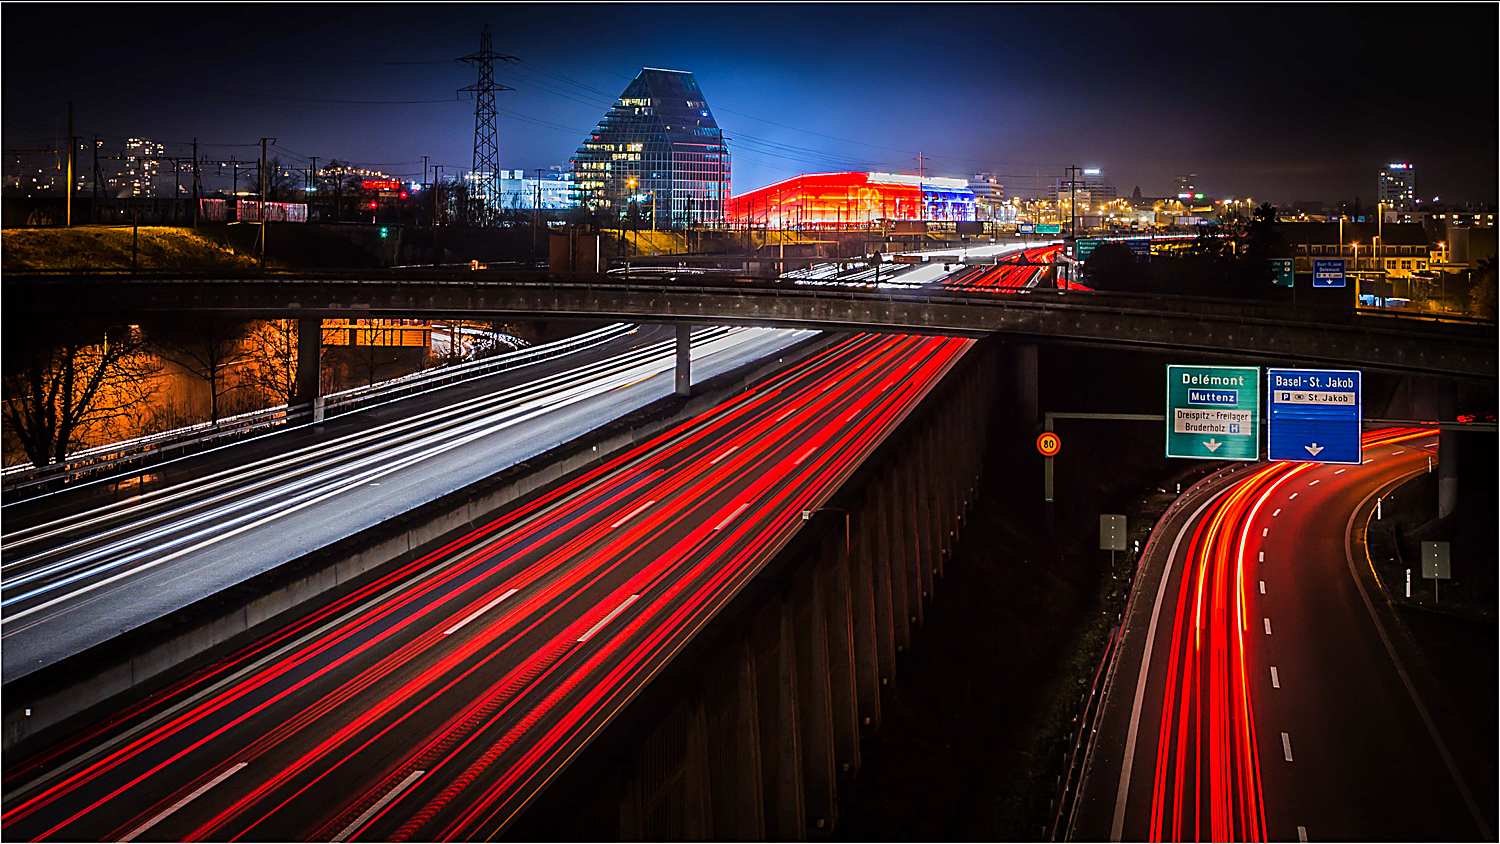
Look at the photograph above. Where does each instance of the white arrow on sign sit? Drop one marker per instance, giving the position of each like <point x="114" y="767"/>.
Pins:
<point x="1213" y="444"/>
<point x="1313" y="449"/>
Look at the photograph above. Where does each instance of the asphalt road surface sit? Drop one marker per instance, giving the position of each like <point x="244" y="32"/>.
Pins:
<point x="1264" y="689"/>
<point x="435" y="701"/>
<point x="78" y="580"/>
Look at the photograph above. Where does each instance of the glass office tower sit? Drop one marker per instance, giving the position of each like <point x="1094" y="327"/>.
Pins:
<point x="660" y="147"/>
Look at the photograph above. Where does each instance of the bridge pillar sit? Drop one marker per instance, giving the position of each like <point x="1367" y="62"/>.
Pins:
<point x="911" y="538"/>
<point x="684" y="359"/>
<point x="880" y="558"/>
<point x="866" y="628"/>
<point x="814" y="694"/>
<point x="843" y="689"/>
<point x="922" y="489"/>
<point x="309" y="362"/>
<point x="896" y="529"/>
<point x="1448" y="454"/>
<point x="738" y="808"/>
<point x="776" y="661"/>
<point x="697" y="822"/>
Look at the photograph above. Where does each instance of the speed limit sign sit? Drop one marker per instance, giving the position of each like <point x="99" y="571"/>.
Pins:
<point x="1048" y="444"/>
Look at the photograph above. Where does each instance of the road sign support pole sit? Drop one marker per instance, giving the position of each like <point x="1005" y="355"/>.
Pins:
<point x="684" y="359"/>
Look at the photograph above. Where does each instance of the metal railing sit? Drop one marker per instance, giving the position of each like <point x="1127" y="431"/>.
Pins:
<point x="176" y="443"/>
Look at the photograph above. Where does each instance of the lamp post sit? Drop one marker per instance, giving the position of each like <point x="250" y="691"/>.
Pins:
<point x="808" y="514"/>
<point x="1355" y="246"/>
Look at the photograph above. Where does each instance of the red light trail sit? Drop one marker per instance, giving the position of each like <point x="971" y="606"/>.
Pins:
<point x="1207" y="783"/>
<point x="435" y="701"/>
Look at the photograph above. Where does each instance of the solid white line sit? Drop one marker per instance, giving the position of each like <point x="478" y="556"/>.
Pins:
<point x="1262" y="587"/>
<point x="731" y="450"/>
<point x="198" y="792"/>
<point x="1278" y="512"/>
<point x="1117" y="828"/>
<point x="1275" y="678"/>
<point x="607" y="619"/>
<point x="477" y="613"/>
<point x="805" y="455"/>
<point x="738" y="510"/>
<point x="1314" y="483"/>
<point x="1268" y="625"/>
<point x="632" y="514"/>
<point x="1286" y="746"/>
<point x="1302" y="833"/>
<point x="1293" y="495"/>
<point x="1339" y="472"/>
<point x="379" y="804"/>
<point x="1411" y="689"/>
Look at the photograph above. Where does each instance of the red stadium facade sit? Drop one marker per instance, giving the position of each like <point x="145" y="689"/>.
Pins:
<point x="850" y="200"/>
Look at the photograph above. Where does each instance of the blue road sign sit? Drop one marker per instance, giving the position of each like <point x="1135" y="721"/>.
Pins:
<point x="1314" y="415"/>
<point x="1328" y="272"/>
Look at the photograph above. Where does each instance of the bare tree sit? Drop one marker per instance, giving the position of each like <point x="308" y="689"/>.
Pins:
<point x="273" y="356"/>
<point x="368" y="361"/>
<point x="61" y="381"/>
<point x="206" y="348"/>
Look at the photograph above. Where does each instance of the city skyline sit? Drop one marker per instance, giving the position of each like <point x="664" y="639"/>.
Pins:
<point x="798" y="92"/>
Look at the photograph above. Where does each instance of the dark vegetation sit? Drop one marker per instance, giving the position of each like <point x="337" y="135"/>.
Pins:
<point x="979" y="723"/>
<point x="1456" y="629"/>
<point x="1228" y="260"/>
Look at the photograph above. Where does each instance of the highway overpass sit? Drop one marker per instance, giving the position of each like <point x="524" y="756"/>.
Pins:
<point x="1230" y="327"/>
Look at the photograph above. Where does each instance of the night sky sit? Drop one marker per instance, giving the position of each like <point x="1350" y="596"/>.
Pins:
<point x="1279" y="102"/>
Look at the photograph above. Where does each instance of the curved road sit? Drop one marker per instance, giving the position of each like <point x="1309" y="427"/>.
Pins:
<point x="1264" y="689"/>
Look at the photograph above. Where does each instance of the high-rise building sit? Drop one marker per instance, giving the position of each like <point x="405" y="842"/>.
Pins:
<point x="850" y="200"/>
<point x="989" y="196"/>
<point x="1398" y="186"/>
<point x="140" y="167"/>
<point x="1187" y="186"/>
<point x="658" y="147"/>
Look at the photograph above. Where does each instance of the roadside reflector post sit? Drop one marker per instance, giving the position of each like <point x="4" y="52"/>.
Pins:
<point x="1408" y="583"/>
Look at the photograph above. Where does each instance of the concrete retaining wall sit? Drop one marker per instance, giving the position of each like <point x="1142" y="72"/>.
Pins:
<point x="751" y="730"/>
<point x="80" y="688"/>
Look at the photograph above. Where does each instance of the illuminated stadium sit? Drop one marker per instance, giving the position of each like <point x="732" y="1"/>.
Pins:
<point x="851" y="201"/>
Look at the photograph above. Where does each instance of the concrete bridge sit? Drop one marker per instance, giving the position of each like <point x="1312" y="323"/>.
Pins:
<point x="1306" y="334"/>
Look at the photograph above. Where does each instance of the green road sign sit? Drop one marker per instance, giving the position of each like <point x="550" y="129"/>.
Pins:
<point x="1086" y="247"/>
<point x="1049" y="228"/>
<point x="1281" y="269"/>
<point x="1213" y="412"/>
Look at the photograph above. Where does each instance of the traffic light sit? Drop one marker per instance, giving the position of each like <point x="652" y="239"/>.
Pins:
<point x="374" y="204"/>
<point x="384" y="232"/>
